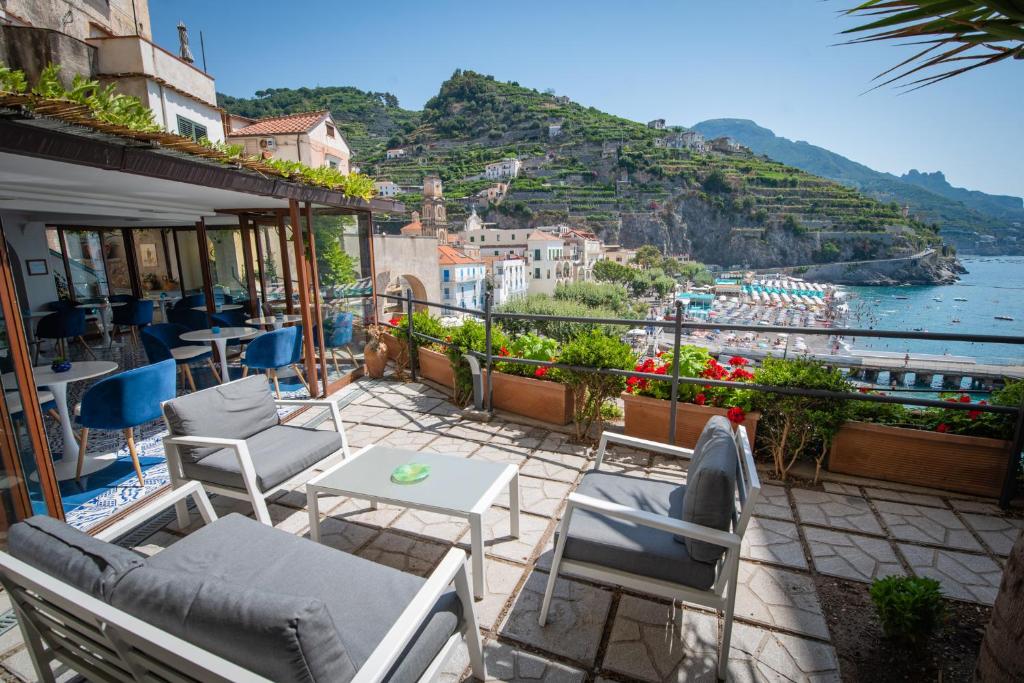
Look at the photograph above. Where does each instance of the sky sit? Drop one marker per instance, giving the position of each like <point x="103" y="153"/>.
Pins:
<point x="773" y="61"/>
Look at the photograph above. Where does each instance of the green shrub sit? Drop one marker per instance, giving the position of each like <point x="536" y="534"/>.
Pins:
<point x="910" y="608"/>
<point x="422" y="323"/>
<point x="531" y="347"/>
<point x="613" y="297"/>
<point x="561" y="331"/>
<point x="471" y="335"/>
<point x="592" y="390"/>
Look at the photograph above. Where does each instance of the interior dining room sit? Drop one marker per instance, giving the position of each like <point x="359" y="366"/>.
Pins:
<point x="124" y="264"/>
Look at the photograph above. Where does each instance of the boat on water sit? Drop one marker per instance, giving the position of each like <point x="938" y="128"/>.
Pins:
<point x="1004" y="317"/>
<point x="960" y="298"/>
<point x="937" y="298"/>
<point x="901" y="297"/>
<point x="955" y="320"/>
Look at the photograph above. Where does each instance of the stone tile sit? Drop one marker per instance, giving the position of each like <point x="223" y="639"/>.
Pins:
<point x="413" y="441"/>
<point x="357" y="413"/>
<point x="540" y="497"/>
<point x="563" y="443"/>
<point x="449" y="445"/>
<point x="976" y="506"/>
<point x="575" y="621"/>
<point x="758" y="654"/>
<point x="905" y="497"/>
<point x="498" y="540"/>
<point x="926" y="525"/>
<point x="773" y="502"/>
<point x="473" y="431"/>
<point x="553" y="465"/>
<point x="356" y="510"/>
<point x="519" y="435"/>
<point x="414" y="556"/>
<point x="501" y="581"/>
<point x="653" y="641"/>
<point x="429" y="422"/>
<point x="780" y="598"/>
<point x="850" y="556"/>
<point x="772" y="540"/>
<point x="963" y="576"/>
<point x="507" y="663"/>
<point x="344" y="536"/>
<point x="998" y="533"/>
<point x="365" y="435"/>
<point x="410" y="403"/>
<point x="503" y="453"/>
<point x="431" y="524"/>
<point x="289" y="519"/>
<point x="835" y="510"/>
<point x="390" y="418"/>
<point x="842" y="489"/>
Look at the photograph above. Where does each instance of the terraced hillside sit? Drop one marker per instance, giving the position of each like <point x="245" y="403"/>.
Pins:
<point x="729" y="207"/>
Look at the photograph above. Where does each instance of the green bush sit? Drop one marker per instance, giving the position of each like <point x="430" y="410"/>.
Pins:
<point x="561" y="331"/>
<point x="591" y="390"/>
<point x="422" y="323"/>
<point x="910" y="608"/>
<point x="531" y="347"/>
<point x="613" y="297"/>
<point x="471" y="335"/>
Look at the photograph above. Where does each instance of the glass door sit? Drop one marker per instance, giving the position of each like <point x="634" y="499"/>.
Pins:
<point x="84" y="257"/>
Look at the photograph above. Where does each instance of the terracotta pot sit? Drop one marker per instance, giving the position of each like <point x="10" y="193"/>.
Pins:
<point x="647" y="418"/>
<point x="951" y="462"/>
<point x="375" y="359"/>
<point x="395" y="346"/>
<point x="435" y="367"/>
<point x="536" y="398"/>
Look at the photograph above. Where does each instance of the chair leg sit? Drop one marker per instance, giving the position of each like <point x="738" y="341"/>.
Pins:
<point x="54" y="414"/>
<point x="86" y="347"/>
<point x="245" y="371"/>
<point x="259" y="506"/>
<point x="83" y="442"/>
<point x="129" y="435"/>
<point x="277" y="385"/>
<point x="563" y="533"/>
<point x="298" y="373"/>
<point x="214" y="370"/>
<point x="472" y="630"/>
<point x="188" y="376"/>
<point x="334" y="357"/>
<point x="730" y="606"/>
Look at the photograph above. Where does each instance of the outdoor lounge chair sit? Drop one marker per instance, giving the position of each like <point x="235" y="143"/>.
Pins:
<point x="677" y="541"/>
<point x="234" y="602"/>
<point x="230" y="439"/>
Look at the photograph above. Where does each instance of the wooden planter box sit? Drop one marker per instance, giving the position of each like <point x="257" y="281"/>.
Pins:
<point x="435" y="367"/>
<point x="647" y="418"/>
<point x="539" y="399"/>
<point x="951" y="462"/>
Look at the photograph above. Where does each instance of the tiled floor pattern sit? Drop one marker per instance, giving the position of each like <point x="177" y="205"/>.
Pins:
<point x="605" y="633"/>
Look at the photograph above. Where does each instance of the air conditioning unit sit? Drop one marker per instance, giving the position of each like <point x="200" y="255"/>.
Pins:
<point x="267" y="143"/>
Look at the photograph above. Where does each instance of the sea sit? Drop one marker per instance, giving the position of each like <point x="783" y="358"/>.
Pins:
<point x="993" y="286"/>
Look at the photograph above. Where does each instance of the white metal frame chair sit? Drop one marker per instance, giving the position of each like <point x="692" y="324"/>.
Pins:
<point x="252" y="492"/>
<point x="722" y="594"/>
<point x="62" y="624"/>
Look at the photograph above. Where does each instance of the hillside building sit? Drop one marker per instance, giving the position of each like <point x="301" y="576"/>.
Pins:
<point x="311" y="138"/>
<point x="396" y="153"/>
<point x="691" y="139"/>
<point x="506" y="168"/>
<point x="386" y="188"/>
<point x="554" y="130"/>
<point x="493" y="194"/>
<point x="619" y="254"/>
<point x="656" y="124"/>
<point x="462" y="277"/>
<point x="433" y="214"/>
<point x="508" y="277"/>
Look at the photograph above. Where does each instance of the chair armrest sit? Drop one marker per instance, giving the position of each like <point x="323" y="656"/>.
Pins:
<point x="649" y="519"/>
<point x="398" y="636"/>
<point x="161" y="503"/>
<point x="204" y="441"/>
<point x="240" y="447"/>
<point x="323" y="403"/>
<point x="637" y="442"/>
<point x="304" y="402"/>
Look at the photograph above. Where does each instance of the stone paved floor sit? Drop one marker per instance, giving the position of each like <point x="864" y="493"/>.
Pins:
<point x="604" y="633"/>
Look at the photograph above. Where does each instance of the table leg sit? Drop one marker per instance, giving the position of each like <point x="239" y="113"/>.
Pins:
<point x="277" y="325"/>
<point x="313" y="506"/>
<point x="60" y="397"/>
<point x="513" y="505"/>
<point x="221" y="346"/>
<point x="105" y="325"/>
<point x="476" y="535"/>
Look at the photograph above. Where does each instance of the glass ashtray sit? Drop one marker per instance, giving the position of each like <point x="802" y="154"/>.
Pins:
<point x="410" y="473"/>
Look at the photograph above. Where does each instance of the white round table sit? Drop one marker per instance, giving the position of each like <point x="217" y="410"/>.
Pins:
<point x="220" y="343"/>
<point x="222" y="307"/>
<point x="162" y="302"/>
<point x="104" y="316"/>
<point x="274" y="321"/>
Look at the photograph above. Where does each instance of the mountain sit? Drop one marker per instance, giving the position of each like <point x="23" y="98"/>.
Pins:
<point x="629" y="183"/>
<point x="974" y="221"/>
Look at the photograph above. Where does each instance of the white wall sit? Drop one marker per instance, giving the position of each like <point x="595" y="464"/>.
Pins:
<point x="175" y="104"/>
<point x="28" y="241"/>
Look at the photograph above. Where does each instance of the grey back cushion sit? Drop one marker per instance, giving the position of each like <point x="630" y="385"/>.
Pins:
<point x="711" y="487"/>
<point x="68" y="554"/>
<point x="280" y="637"/>
<point x="235" y="410"/>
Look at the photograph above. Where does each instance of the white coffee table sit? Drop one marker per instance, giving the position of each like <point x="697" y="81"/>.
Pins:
<point x="456" y="486"/>
<point x="220" y="342"/>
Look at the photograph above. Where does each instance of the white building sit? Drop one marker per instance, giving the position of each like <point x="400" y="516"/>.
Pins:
<point x="311" y="138"/>
<point x="554" y="130"/>
<point x="691" y="139"/>
<point x="386" y="188"/>
<point x="396" y="153"/>
<point x="584" y="249"/>
<point x="549" y="266"/>
<point x="656" y="124"/>
<point x="509" y="277"/>
<point x="506" y="168"/>
<point x="619" y="254"/>
<point x="462" y="278"/>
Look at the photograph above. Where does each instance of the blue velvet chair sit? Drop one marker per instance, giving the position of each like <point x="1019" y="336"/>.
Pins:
<point x="273" y="350"/>
<point x="338" y="335"/>
<point x="163" y="342"/>
<point x="13" y="396"/>
<point x="134" y="314"/>
<point x="60" y="305"/>
<point x="190" y="318"/>
<point x="61" y="326"/>
<point x="125" y="401"/>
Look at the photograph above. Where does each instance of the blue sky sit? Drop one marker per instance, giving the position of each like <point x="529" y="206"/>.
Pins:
<point x="772" y="61"/>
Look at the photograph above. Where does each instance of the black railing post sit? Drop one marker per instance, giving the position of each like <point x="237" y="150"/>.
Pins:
<point x="677" y="340"/>
<point x="488" y="385"/>
<point x="1013" y="462"/>
<point x="411" y="341"/>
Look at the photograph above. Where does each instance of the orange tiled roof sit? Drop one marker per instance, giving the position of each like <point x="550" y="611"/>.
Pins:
<point x="541" y="235"/>
<point x="414" y="228"/>
<point x="277" y="125"/>
<point x="450" y="256"/>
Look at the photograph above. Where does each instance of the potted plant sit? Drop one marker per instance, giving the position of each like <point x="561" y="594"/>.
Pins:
<point x="648" y="402"/>
<point x="592" y="390"/>
<point x="430" y="358"/>
<point x="909" y="607"/>
<point x="375" y="352"/>
<point x="471" y="335"/>
<point x="395" y="337"/>
<point x="795" y="426"/>
<point x="531" y="390"/>
<point x="955" y="450"/>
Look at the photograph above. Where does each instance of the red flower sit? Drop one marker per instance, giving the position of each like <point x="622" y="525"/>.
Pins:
<point x="863" y="390"/>
<point x="943" y="428"/>
<point x="950" y="399"/>
<point x="700" y="399"/>
<point x="738" y="361"/>
<point x="540" y="372"/>
<point x="974" y="414"/>
<point x="503" y="351"/>
<point x="982" y="403"/>
<point x="741" y="375"/>
<point x="965" y="399"/>
<point x="661" y="370"/>
<point x="736" y="415"/>
<point x="395" y="320"/>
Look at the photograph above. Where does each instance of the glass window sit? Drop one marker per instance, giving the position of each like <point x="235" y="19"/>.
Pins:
<point x="227" y="265"/>
<point x="158" y="262"/>
<point x="446" y="276"/>
<point x="85" y="261"/>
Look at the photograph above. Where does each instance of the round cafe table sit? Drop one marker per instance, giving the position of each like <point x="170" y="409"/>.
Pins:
<point x="222" y="307"/>
<point x="162" y="302"/>
<point x="57" y="383"/>
<point x="219" y="340"/>
<point x="274" y="321"/>
<point x="104" y="317"/>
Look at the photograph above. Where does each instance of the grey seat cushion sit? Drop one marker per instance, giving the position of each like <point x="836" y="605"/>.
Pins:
<point x="68" y="554"/>
<point x="278" y="453"/>
<point x="710" y="498"/>
<point x="617" y="544"/>
<point x="235" y="410"/>
<point x="362" y="599"/>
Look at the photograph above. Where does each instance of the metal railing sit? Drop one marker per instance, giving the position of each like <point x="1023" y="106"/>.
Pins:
<point x="678" y="325"/>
